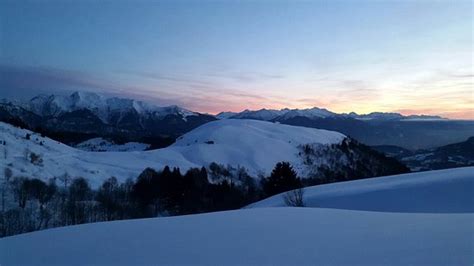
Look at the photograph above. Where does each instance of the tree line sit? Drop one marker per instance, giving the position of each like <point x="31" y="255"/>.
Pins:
<point x="33" y="204"/>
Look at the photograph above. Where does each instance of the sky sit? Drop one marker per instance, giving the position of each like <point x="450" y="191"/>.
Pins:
<point x="412" y="57"/>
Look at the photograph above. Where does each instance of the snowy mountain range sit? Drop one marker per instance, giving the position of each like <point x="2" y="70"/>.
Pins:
<point x="315" y="112"/>
<point x="109" y="110"/>
<point x="82" y="116"/>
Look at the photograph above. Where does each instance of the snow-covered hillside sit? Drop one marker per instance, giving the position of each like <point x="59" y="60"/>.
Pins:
<point x="442" y="191"/>
<point x="283" y="236"/>
<point x="255" y="145"/>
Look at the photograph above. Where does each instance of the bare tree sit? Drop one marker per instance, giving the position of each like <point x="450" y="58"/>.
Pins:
<point x="19" y="191"/>
<point x="7" y="174"/>
<point x="65" y="179"/>
<point x="294" y="198"/>
<point x="5" y="151"/>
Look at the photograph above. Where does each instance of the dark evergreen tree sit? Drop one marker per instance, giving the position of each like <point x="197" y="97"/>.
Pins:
<point x="283" y="178"/>
<point x="195" y="187"/>
<point x="145" y="191"/>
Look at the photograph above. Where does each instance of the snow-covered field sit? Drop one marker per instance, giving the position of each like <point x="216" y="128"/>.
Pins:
<point x="273" y="236"/>
<point x="442" y="191"/>
<point x="255" y="145"/>
<point x="412" y="226"/>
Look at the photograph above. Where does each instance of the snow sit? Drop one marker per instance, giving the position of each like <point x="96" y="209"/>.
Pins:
<point x="442" y="191"/>
<point x="273" y="236"/>
<point x="270" y="114"/>
<point x="100" y="144"/>
<point x="254" y="145"/>
<point x="225" y="115"/>
<point x="421" y="219"/>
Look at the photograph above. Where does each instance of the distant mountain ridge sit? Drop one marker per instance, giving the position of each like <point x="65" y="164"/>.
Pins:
<point x="315" y="112"/>
<point x="84" y="115"/>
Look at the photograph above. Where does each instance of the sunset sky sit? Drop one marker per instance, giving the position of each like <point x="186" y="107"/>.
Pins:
<point x="411" y="57"/>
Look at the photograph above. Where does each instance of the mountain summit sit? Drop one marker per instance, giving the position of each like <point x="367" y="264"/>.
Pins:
<point x="105" y="108"/>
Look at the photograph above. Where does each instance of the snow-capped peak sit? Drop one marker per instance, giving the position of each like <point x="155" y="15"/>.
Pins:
<point x="312" y="112"/>
<point x="102" y="106"/>
<point x="270" y="114"/>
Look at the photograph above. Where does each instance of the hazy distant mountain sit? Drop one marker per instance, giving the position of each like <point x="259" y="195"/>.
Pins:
<point x="315" y="112"/>
<point x="81" y="116"/>
<point x="270" y="114"/>
<point x="410" y="132"/>
<point x="449" y="156"/>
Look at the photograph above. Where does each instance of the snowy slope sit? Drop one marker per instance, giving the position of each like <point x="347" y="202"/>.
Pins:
<point x="273" y="236"/>
<point x="442" y="191"/>
<point x="255" y="145"/>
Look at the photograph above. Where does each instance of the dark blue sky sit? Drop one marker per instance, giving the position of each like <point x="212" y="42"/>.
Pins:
<point x="408" y="56"/>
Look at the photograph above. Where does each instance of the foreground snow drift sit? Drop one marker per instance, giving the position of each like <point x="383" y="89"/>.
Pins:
<point x="274" y="236"/>
<point x="443" y="191"/>
<point x="255" y="145"/>
<point x="283" y="236"/>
